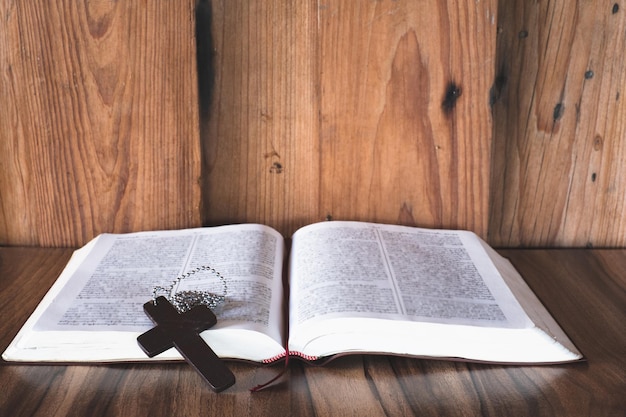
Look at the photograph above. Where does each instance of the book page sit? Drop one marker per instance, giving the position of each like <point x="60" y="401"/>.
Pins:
<point x="354" y="269"/>
<point x="108" y="288"/>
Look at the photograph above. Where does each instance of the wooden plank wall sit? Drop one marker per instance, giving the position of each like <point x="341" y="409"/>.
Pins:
<point x="98" y="119"/>
<point x="260" y="139"/>
<point x="508" y="122"/>
<point x="559" y="167"/>
<point x="359" y="110"/>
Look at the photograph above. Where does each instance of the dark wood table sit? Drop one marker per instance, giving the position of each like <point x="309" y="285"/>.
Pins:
<point x="585" y="290"/>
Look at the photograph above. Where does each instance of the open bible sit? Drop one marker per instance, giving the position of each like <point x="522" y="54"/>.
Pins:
<point x="351" y="287"/>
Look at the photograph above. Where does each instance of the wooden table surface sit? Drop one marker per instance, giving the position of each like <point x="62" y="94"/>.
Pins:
<point x="585" y="290"/>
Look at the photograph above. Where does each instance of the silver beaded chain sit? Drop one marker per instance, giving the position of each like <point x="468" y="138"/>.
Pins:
<point x="185" y="300"/>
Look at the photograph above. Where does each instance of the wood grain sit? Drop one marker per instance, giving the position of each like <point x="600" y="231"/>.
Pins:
<point x="372" y="111"/>
<point x="405" y="130"/>
<point x="260" y="139"/>
<point x="584" y="290"/>
<point x="560" y="125"/>
<point x="99" y="123"/>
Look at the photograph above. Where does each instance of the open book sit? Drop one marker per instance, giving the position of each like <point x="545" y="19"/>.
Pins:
<point x="353" y="287"/>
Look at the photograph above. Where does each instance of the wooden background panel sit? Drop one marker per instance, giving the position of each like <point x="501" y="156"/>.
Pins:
<point x="405" y="119"/>
<point x="98" y="122"/>
<point x="355" y="110"/>
<point x="560" y="125"/>
<point x="260" y="138"/>
<point x="374" y="111"/>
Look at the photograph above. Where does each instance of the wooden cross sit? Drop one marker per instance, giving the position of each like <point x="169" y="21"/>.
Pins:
<point x="182" y="331"/>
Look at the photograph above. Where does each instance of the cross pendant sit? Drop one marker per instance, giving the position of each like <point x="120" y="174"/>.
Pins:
<point x="182" y="331"/>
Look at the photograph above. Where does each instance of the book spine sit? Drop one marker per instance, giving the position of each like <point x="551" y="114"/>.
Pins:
<point x="291" y="354"/>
